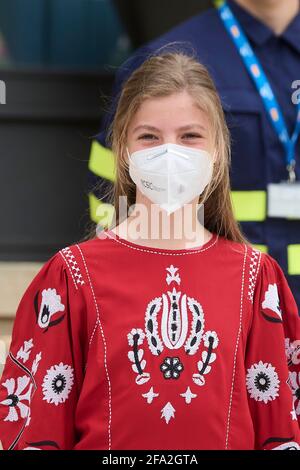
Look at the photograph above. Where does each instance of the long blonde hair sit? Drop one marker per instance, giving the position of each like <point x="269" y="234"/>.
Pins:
<point x="162" y="75"/>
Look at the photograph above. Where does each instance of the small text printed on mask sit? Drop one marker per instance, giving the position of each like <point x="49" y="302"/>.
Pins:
<point x="151" y="186"/>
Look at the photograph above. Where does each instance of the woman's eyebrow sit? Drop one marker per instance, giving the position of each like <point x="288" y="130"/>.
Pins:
<point x="191" y="126"/>
<point x="145" y="126"/>
<point x="182" y="128"/>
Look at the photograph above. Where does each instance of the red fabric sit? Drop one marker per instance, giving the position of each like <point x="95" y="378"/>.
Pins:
<point x="119" y="346"/>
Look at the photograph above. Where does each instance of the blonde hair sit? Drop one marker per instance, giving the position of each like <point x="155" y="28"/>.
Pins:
<point x="162" y="75"/>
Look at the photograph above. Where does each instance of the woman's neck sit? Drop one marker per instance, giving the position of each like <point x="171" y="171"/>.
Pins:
<point x="276" y="14"/>
<point x="157" y="229"/>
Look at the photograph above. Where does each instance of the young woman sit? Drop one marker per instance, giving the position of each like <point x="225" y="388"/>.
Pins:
<point x="165" y="332"/>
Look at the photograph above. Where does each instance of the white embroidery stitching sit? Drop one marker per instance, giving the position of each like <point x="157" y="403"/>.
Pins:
<point x="192" y="252"/>
<point x="253" y="271"/>
<point x="66" y="262"/>
<point x="236" y="350"/>
<point x="24" y="368"/>
<point x="70" y="258"/>
<point x="105" y="348"/>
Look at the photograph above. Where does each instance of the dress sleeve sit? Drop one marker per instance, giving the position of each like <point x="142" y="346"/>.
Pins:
<point x="272" y="361"/>
<point x="43" y="372"/>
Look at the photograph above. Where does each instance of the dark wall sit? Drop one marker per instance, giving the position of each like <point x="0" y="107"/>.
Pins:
<point x="46" y="129"/>
<point x="147" y="19"/>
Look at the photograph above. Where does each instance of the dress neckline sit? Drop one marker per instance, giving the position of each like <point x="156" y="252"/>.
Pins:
<point x="165" y="251"/>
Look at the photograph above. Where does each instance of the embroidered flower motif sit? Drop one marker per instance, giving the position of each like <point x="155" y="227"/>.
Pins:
<point x="294" y="383"/>
<point x="168" y="412"/>
<point x="50" y="305"/>
<point x="138" y="333"/>
<point x="172" y="275"/>
<point x="292" y="351"/>
<point x="150" y="395"/>
<point x="211" y="342"/>
<point x="288" y="446"/>
<point x="57" y="384"/>
<point x="24" y="352"/>
<point x="262" y="382"/>
<point x="15" y="397"/>
<point x="272" y="300"/>
<point x="171" y="368"/>
<point x="282" y="443"/>
<point x="36" y="362"/>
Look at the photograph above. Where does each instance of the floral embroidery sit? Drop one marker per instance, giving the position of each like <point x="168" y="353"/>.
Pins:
<point x="272" y="302"/>
<point x="35" y="363"/>
<point x="151" y="327"/>
<point x="58" y="383"/>
<point x="150" y="395"/>
<point x="171" y="368"/>
<point x="293" y="414"/>
<point x="193" y="342"/>
<point x="172" y="275"/>
<point x="138" y="334"/>
<point x="211" y="341"/>
<point x="18" y="391"/>
<point x="50" y="305"/>
<point x="292" y="351"/>
<point x="135" y="339"/>
<point x="174" y="321"/>
<point x="188" y="395"/>
<point x="168" y="412"/>
<point x="24" y="352"/>
<point x="288" y="446"/>
<point x="287" y="443"/>
<point x="262" y="382"/>
<point x="294" y="383"/>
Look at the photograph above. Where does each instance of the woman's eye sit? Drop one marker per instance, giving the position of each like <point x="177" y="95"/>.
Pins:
<point x="147" y="137"/>
<point x="192" y="136"/>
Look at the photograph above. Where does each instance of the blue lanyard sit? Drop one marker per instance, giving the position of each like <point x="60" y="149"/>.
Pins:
<point x="263" y="86"/>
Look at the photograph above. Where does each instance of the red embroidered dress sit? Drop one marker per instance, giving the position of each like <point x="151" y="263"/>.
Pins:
<point x="119" y="346"/>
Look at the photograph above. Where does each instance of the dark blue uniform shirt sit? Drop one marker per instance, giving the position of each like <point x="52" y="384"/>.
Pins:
<point x="257" y="155"/>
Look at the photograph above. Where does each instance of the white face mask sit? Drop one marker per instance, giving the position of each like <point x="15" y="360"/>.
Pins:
<point x="171" y="175"/>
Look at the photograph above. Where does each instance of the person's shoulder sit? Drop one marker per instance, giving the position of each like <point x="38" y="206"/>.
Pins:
<point x="241" y="249"/>
<point x="78" y="259"/>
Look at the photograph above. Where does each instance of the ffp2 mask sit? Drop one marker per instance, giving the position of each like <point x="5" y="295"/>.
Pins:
<point x="171" y="175"/>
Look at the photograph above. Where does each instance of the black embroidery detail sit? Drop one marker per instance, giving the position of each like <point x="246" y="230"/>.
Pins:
<point x="135" y="352"/>
<point x="55" y="322"/>
<point x="193" y="342"/>
<point x="36" y="305"/>
<point x="171" y="368"/>
<point x="262" y="382"/>
<point x="45" y="314"/>
<point x="59" y="384"/>
<point x="14" y="400"/>
<point x="209" y="352"/>
<point x="278" y="439"/>
<point x="271" y="319"/>
<point x="43" y="444"/>
<point x="154" y="341"/>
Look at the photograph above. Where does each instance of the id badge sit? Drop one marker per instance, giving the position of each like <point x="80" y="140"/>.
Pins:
<point x="284" y="200"/>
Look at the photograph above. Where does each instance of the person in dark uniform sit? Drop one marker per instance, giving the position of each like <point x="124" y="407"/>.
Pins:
<point x="261" y="112"/>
